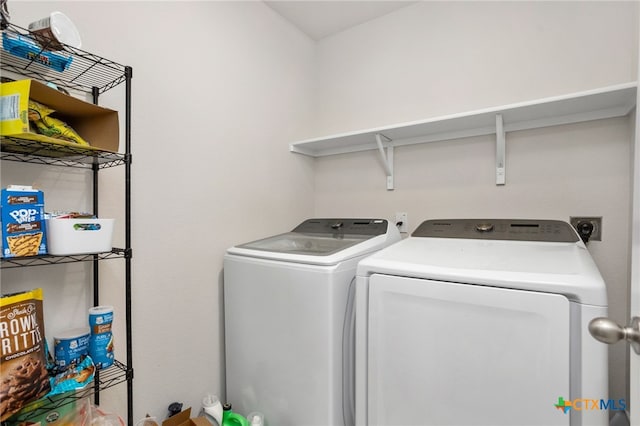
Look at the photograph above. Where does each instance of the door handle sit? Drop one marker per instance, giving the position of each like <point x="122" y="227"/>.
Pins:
<point x="608" y="331"/>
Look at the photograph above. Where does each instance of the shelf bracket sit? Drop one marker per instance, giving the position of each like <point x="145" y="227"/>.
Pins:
<point x="387" y="159"/>
<point x="500" y="151"/>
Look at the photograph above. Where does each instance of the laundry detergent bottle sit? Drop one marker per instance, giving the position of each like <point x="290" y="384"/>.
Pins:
<point x="212" y="409"/>
<point x="229" y="418"/>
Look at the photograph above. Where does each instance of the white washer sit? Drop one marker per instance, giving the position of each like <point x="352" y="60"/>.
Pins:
<point x="287" y="302"/>
<point x="472" y="322"/>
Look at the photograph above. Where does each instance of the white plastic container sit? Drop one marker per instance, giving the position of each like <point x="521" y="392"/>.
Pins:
<point x="55" y="30"/>
<point x="79" y="236"/>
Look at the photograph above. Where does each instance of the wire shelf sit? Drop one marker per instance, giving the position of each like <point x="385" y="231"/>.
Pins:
<point x="104" y="379"/>
<point x="85" y="72"/>
<point x="32" y="151"/>
<point x="15" y="262"/>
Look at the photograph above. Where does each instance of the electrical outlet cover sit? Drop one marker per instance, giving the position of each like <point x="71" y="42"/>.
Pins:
<point x="401" y="217"/>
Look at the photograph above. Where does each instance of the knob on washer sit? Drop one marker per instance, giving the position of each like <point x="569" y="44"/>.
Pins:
<point x="484" y="227"/>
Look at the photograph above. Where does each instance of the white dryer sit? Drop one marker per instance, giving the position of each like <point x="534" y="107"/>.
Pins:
<point x="480" y="322"/>
<point x="288" y="324"/>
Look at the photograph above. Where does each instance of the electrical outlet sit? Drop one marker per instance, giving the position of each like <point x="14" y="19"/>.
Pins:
<point x="401" y="218"/>
<point x="595" y="221"/>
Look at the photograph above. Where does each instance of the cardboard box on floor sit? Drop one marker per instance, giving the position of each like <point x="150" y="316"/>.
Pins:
<point x="184" y="419"/>
<point x="97" y="125"/>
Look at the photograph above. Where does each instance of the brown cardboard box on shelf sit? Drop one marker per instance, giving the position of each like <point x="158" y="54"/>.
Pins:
<point x="184" y="419"/>
<point x="97" y="125"/>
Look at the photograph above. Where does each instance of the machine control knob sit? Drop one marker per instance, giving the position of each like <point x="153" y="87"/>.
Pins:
<point x="607" y="331"/>
<point x="337" y="225"/>
<point x="484" y="227"/>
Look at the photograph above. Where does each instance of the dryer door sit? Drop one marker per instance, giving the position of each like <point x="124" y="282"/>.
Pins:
<point x="442" y="353"/>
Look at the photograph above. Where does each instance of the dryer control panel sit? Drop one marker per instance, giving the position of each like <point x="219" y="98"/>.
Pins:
<point x="499" y="229"/>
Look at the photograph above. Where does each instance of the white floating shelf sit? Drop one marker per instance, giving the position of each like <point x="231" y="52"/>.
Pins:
<point x="607" y="102"/>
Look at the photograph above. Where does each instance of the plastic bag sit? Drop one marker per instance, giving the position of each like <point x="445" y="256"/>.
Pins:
<point x="100" y="417"/>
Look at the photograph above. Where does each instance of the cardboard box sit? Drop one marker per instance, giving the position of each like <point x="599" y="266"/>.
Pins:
<point x="96" y="125"/>
<point x="184" y="419"/>
<point x="23" y="223"/>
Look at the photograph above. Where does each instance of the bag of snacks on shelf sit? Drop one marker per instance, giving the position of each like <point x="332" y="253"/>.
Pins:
<point x="74" y="378"/>
<point x="23" y="373"/>
<point x="40" y="116"/>
<point x="37" y="110"/>
<point x="54" y="128"/>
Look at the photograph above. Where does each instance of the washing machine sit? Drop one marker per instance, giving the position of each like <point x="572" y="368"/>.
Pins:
<point x="480" y="322"/>
<point x="289" y="333"/>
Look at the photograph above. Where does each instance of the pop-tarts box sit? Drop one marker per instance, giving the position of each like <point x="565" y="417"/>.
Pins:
<point x="23" y="222"/>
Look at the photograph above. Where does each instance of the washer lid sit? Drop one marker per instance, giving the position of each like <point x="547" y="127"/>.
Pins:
<point x="553" y="267"/>
<point x="322" y="241"/>
<point x="310" y="244"/>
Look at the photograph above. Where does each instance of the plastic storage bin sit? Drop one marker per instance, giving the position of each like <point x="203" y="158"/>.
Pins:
<point x="79" y="236"/>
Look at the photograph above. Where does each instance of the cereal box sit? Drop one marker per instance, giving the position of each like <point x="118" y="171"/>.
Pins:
<point x="23" y="222"/>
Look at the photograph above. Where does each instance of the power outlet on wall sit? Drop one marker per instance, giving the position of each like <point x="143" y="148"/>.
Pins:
<point x="401" y="222"/>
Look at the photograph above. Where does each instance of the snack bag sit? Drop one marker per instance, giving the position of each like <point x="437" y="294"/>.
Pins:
<point x="54" y="128"/>
<point x="40" y="116"/>
<point x="74" y="378"/>
<point x="37" y="110"/>
<point x="23" y="372"/>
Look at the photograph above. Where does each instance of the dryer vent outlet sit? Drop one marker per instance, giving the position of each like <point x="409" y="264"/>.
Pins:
<point x="588" y="226"/>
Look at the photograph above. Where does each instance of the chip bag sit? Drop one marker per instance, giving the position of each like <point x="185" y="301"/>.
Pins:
<point x="40" y="116"/>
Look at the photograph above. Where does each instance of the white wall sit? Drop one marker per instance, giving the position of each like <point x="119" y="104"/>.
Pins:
<point x="437" y="58"/>
<point x="218" y="90"/>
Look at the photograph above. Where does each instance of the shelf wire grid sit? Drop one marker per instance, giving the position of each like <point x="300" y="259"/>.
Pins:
<point x="15" y="262"/>
<point x="85" y="72"/>
<point x="37" y="152"/>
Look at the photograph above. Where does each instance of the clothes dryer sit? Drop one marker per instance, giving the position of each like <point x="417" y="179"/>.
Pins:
<point x="480" y="322"/>
<point x="288" y="336"/>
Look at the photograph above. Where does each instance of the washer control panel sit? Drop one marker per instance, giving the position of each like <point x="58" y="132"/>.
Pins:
<point x="369" y="227"/>
<point x="499" y="229"/>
